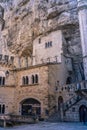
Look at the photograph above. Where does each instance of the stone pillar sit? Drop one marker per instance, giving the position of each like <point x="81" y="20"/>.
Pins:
<point x="82" y="13"/>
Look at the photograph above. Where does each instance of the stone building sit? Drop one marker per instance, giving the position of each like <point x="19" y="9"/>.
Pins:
<point x="43" y="58"/>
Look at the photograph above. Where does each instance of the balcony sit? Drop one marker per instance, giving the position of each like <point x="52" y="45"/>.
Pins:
<point x="80" y="89"/>
<point x="75" y="87"/>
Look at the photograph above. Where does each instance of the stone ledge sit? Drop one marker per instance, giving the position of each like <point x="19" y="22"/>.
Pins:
<point x="27" y="85"/>
<point x="35" y="66"/>
<point x="3" y="86"/>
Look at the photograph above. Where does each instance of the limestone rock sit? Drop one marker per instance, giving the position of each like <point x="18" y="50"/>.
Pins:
<point x="25" y="20"/>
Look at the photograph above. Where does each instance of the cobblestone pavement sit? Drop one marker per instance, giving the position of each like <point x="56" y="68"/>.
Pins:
<point x="50" y="126"/>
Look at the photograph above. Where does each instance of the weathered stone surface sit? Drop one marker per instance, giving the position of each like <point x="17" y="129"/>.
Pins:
<point x="25" y="20"/>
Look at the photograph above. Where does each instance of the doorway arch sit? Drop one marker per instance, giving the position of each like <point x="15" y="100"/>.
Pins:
<point x="30" y="106"/>
<point x="81" y="110"/>
<point x="60" y="102"/>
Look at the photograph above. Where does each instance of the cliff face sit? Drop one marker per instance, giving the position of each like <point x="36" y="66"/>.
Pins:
<point x="27" y="19"/>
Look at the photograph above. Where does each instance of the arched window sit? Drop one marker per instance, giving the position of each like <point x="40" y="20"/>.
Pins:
<point x="48" y="44"/>
<point x="3" y="109"/>
<point x="3" y="80"/>
<point x="23" y="80"/>
<point x="33" y="79"/>
<point x="36" y="78"/>
<point x="27" y="80"/>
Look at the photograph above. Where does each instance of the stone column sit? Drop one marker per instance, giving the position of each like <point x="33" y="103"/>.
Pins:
<point x="82" y="13"/>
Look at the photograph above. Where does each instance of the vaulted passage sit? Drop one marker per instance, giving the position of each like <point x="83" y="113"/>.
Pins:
<point x="30" y="106"/>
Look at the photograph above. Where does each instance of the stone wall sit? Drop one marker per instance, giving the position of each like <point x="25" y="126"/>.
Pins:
<point x="7" y="98"/>
<point x="26" y="20"/>
<point x="37" y="91"/>
<point x="48" y="48"/>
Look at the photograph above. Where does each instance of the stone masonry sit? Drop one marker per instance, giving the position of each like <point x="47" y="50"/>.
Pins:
<point x="43" y="58"/>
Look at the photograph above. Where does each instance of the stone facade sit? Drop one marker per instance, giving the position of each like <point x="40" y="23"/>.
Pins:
<point x="42" y="56"/>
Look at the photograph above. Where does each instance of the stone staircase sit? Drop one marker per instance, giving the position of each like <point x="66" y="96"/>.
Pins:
<point x="55" y="117"/>
<point x="72" y="101"/>
<point x="80" y="90"/>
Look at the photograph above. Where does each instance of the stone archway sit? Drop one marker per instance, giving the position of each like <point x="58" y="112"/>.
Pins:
<point x="30" y="106"/>
<point x="82" y="108"/>
<point x="60" y="102"/>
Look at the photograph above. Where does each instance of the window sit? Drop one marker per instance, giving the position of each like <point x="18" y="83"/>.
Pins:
<point x="39" y="40"/>
<point x="27" y="80"/>
<point x="36" y="78"/>
<point x="6" y="57"/>
<point x="23" y="80"/>
<point x="2" y="108"/>
<point x="32" y="79"/>
<point x="7" y="73"/>
<point x="12" y="59"/>
<point x="48" y="44"/>
<point x="0" y="56"/>
<point x="2" y="81"/>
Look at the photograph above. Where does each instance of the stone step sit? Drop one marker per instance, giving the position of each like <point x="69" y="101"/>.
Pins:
<point x="68" y="104"/>
<point x="56" y="117"/>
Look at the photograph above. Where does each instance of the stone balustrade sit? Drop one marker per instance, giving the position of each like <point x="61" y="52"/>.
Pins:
<point x="51" y="60"/>
<point x="74" y="87"/>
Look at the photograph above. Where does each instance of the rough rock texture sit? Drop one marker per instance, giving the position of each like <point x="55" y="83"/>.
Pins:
<point x="27" y="19"/>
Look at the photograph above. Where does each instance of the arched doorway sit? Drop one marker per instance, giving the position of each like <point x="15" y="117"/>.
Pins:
<point x="30" y="106"/>
<point x="81" y="112"/>
<point x="60" y="102"/>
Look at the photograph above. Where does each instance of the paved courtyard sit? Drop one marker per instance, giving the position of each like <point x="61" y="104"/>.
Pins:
<point x="50" y="126"/>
